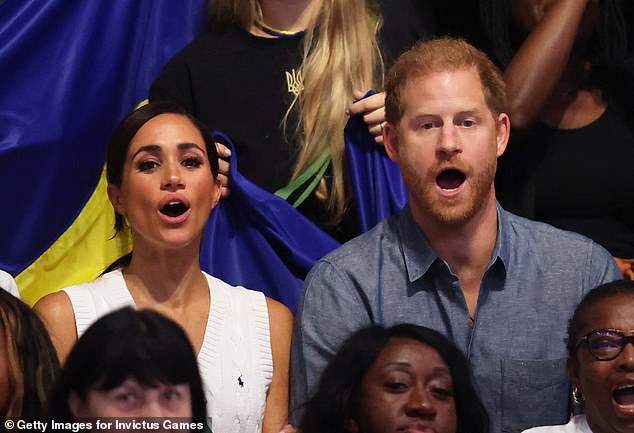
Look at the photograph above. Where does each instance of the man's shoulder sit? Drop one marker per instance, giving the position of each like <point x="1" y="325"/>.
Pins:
<point x="542" y="234"/>
<point x="557" y="250"/>
<point x="384" y="234"/>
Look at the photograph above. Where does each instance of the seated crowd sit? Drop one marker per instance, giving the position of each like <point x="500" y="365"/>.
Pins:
<point x="453" y="316"/>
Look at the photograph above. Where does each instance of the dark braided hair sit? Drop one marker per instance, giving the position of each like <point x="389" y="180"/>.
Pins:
<point x="606" y="48"/>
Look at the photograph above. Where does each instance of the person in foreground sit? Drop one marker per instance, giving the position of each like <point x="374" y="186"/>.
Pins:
<point x="161" y="169"/>
<point x="131" y="364"/>
<point x="8" y="283"/>
<point x="28" y="362"/>
<point x="500" y="286"/>
<point x="601" y="361"/>
<point x="401" y="378"/>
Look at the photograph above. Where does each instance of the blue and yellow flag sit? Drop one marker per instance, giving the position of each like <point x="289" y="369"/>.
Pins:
<point x="69" y="71"/>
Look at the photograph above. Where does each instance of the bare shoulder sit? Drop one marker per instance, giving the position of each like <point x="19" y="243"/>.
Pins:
<point x="56" y="311"/>
<point x="54" y="305"/>
<point x="280" y="317"/>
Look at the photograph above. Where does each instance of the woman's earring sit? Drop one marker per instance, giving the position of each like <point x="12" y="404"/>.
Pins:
<point x="577" y="395"/>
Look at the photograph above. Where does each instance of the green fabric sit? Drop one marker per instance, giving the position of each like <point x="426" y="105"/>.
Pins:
<point x="314" y="173"/>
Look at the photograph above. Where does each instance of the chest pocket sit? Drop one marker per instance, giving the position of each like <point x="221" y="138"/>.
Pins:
<point x="534" y="392"/>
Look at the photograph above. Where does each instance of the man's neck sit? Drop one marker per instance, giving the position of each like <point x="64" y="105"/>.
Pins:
<point x="467" y="248"/>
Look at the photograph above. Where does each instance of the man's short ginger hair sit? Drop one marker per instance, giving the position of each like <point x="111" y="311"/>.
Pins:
<point x="441" y="55"/>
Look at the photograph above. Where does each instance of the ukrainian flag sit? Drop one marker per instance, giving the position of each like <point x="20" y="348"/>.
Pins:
<point x="69" y="71"/>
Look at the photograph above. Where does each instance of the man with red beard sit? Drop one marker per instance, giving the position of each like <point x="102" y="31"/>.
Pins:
<point x="502" y="287"/>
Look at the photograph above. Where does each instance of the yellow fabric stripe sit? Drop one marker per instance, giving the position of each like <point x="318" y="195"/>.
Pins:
<point x="80" y="254"/>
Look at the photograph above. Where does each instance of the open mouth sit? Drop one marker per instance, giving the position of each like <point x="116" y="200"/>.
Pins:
<point x="624" y="395"/>
<point x="174" y="209"/>
<point x="450" y="179"/>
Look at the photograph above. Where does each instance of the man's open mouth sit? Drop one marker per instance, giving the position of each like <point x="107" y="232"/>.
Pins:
<point x="450" y="179"/>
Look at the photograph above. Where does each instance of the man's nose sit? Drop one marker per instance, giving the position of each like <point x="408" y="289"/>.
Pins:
<point x="449" y="141"/>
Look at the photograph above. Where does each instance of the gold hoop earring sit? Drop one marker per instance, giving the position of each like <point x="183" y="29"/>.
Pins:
<point x="577" y="396"/>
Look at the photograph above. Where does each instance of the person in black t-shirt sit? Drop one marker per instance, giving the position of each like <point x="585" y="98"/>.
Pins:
<point x="569" y="163"/>
<point x="280" y="81"/>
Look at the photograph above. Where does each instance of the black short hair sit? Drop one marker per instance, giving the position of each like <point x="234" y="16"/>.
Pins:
<point x="127" y="343"/>
<point x="337" y="396"/>
<point x="593" y="297"/>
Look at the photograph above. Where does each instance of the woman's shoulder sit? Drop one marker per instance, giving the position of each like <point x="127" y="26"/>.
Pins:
<point x="103" y="285"/>
<point x="211" y="42"/>
<point x="240" y="296"/>
<point x="577" y="425"/>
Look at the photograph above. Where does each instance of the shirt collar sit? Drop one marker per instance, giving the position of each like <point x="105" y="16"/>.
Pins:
<point x="419" y="255"/>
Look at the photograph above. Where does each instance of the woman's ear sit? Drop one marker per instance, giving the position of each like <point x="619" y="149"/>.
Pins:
<point x="572" y="368"/>
<point x="351" y="425"/>
<point x="114" y="194"/>
<point x="75" y="404"/>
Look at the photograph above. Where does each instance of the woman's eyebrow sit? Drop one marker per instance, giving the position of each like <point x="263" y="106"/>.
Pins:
<point x="187" y="146"/>
<point x="150" y="148"/>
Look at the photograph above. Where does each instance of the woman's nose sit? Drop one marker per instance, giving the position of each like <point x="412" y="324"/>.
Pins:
<point x="420" y="404"/>
<point x="173" y="179"/>
<point x="626" y="358"/>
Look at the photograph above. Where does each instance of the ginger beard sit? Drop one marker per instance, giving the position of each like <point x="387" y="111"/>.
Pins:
<point x="450" y="211"/>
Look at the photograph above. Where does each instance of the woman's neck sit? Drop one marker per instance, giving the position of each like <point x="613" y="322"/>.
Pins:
<point x="287" y="15"/>
<point x="163" y="276"/>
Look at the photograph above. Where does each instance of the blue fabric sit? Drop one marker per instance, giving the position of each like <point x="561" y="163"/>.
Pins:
<point x="516" y="349"/>
<point x="379" y="190"/>
<point x="258" y="240"/>
<point x="71" y="69"/>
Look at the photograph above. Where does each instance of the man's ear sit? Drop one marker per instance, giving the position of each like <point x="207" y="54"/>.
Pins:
<point x="351" y="425"/>
<point x="390" y="141"/>
<point x="114" y="194"/>
<point x="503" y="132"/>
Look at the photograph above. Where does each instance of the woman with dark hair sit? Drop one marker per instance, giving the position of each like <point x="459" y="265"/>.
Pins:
<point x="162" y="181"/>
<point x="28" y="362"/>
<point x="131" y="364"/>
<point x="572" y="116"/>
<point x="601" y="361"/>
<point x="405" y="377"/>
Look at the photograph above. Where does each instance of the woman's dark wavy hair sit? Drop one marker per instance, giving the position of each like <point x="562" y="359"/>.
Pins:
<point x="593" y="297"/>
<point x="120" y="143"/>
<point x="337" y="396"/>
<point x="606" y="49"/>
<point x="32" y="364"/>
<point x="126" y="343"/>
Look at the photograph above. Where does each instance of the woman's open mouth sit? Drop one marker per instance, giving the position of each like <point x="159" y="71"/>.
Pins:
<point x="623" y="397"/>
<point x="174" y="209"/>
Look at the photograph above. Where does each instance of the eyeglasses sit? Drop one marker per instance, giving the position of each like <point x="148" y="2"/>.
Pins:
<point x="605" y="344"/>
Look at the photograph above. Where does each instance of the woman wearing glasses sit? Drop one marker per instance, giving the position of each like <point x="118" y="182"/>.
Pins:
<point x="601" y="361"/>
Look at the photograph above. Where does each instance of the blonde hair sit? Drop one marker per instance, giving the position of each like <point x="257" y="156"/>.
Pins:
<point x="341" y="54"/>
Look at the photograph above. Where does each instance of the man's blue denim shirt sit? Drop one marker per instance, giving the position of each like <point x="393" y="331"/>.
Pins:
<point x="516" y="349"/>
